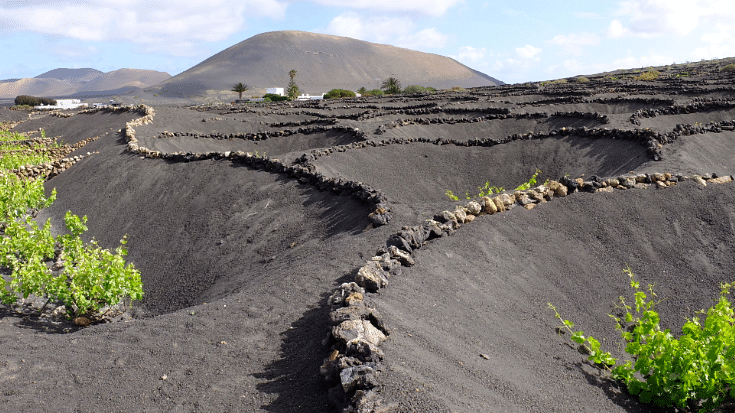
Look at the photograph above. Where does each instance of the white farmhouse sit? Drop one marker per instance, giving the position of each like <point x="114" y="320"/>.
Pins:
<point x="63" y="104"/>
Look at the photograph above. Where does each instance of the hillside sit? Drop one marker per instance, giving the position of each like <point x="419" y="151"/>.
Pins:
<point x="81" y="83"/>
<point x="246" y="221"/>
<point x="323" y="63"/>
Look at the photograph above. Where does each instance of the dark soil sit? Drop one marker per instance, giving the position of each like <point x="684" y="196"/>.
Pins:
<point x="237" y="263"/>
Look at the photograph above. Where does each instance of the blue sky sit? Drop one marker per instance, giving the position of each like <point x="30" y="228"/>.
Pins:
<point x="511" y="41"/>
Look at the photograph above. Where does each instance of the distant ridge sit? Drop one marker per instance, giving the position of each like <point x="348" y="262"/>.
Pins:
<point x="85" y="82"/>
<point x="322" y="62"/>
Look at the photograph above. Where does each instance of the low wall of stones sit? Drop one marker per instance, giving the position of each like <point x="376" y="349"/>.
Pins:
<point x="697" y="106"/>
<point x="652" y="140"/>
<point x="355" y="361"/>
<point x="603" y="119"/>
<point x="260" y="136"/>
<point x="58" y="164"/>
<point x="305" y="174"/>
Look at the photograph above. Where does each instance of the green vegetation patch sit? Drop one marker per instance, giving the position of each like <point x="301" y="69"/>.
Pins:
<point x="697" y="369"/>
<point x="85" y="277"/>
<point x="339" y="94"/>
<point x="648" y="76"/>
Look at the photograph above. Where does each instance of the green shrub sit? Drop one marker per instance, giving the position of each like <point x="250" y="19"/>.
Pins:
<point x="695" y="369"/>
<point x="91" y="277"/>
<point x="582" y="79"/>
<point x="275" y="98"/>
<point x="374" y="92"/>
<point x="530" y="183"/>
<point x="362" y="91"/>
<point x="25" y="100"/>
<point x="728" y="68"/>
<point x="339" y="94"/>
<point x="648" y="76"/>
<point x="413" y="89"/>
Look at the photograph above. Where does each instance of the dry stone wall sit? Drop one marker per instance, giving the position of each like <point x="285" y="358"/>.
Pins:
<point x="355" y="362"/>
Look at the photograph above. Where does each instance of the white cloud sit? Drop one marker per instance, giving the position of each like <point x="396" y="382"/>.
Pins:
<point x="573" y="43"/>
<point x="716" y="38"/>
<point x="528" y="51"/>
<point x="657" y="18"/>
<point x="425" y="39"/>
<point x="616" y="30"/>
<point x="430" y="7"/>
<point x="163" y="25"/>
<point x="470" y="54"/>
<point x="397" y="31"/>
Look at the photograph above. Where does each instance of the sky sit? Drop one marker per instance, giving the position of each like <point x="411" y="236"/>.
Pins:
<point x="514" y="42"/>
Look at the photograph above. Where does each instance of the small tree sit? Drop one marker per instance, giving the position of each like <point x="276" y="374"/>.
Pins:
<point x="240" y="88"/>
<point x="339" y="93"/>
<point x="293" y="89"/>
<point x="362" y="91"/>
<point x="391" y="85"/>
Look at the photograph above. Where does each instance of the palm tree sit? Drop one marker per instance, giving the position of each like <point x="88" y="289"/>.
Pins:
<point x="293" y="89"/>
<point x="240" y="88"/>
<point x="391" y="85"/>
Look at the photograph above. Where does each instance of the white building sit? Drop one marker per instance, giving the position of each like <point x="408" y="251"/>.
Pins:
<point x="63" y="104"/>
<point x="309" y="97"/>
<point x="276" y="91"/>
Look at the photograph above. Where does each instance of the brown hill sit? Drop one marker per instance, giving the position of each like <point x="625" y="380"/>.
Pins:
<point x="323" y="63"/>
<point x="81" y="82"/>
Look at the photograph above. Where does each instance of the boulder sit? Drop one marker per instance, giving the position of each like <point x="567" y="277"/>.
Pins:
<point x="354" y="312"/>
<point x="372" y="276"/>
<point x="445" y="216"/>
<point x="364" y="350"/>
<point x="403" y="257"/>
<point x="499" y="205"/>
<point x="358" y="329"/>
<point x="488" y="206"/>
<point x="338" y="298"/>
<point x="473" y="208"/>
<point x="362" y="377"/>
<point x="721" y="180"/>
<point x="460" y="214"/>
<point x="380" y="217"/>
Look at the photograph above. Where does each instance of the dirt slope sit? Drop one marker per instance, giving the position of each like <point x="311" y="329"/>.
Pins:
<point x="238" y="261"/>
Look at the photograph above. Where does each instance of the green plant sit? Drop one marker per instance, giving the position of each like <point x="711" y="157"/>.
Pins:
<point x="583" y="79"/>
<point x="728" y="68"/>
<point x="413" y="89"/>
<point x="239" y="89"/>
<point x="339" y="93"/>
<point x="18" y="196"/>
<point x="362" y="91"/>
<point x="374" y="92"/>
<point x="488" y="190"/>
<point x="698" y="368"/>
<point x="391" y="86"/>
<point x="25" y="100"/>
<point x="91" y="278"/>
<point x="272" y="97"/>
<point x="451" y="195"/>
<point x="530" y="183"/>
<point x="648" y="76"/>
<point x="293" y="89"/>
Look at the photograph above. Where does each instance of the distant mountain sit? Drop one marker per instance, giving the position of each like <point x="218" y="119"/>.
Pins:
<point x="71" y="75"/>
<point x="81" y="83"/>
<point x="322" y="63"/>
